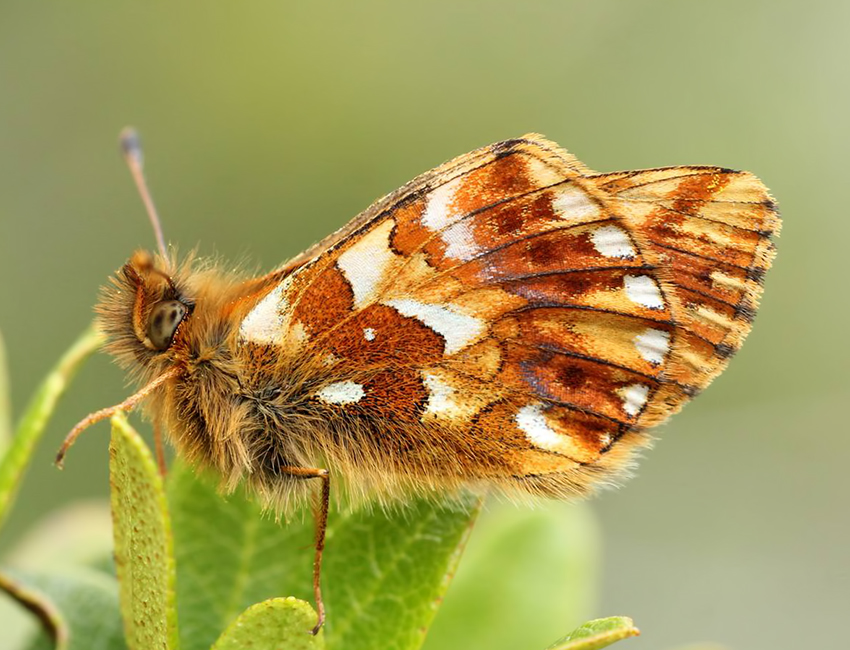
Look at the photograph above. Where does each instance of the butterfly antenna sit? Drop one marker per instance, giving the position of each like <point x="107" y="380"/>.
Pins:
<point x="131" y="147"/>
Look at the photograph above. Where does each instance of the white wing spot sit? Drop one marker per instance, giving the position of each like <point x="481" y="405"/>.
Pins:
<point x="573" y="204"/>
<point x="366" y="263"/>
<point x="653" y="345"/>
<point x="439" y="394"/>
<point x="634" y="398"/>
<point x="437" y="215"/>
<point x="368" y="333"/>
<point x="643" y="290"/>
<point x="264" y="323"/>
<point x="460" y="242"/>
<point x="612" y="241"/>
<point x="341" y="392"/>
<point x="532" y="422"/>
<point x="458" y="330"/>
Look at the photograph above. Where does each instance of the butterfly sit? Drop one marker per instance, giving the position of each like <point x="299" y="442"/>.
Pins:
<point x="510" y="319"/>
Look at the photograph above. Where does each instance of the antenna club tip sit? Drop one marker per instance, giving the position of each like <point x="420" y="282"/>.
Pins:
<point x="131" y="144"/>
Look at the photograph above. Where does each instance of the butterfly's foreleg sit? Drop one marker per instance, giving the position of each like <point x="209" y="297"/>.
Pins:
<point x="321" y="510"/>
<point x="160" y="448"/>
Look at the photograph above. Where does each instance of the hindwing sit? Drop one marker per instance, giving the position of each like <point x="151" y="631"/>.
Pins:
<point x="517" y="298"/>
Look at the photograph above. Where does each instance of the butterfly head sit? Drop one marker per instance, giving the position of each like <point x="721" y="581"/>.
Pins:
<point x="143" y="310"/>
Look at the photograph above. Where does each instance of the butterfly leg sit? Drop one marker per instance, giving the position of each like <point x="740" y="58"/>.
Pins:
<point x="160" y="449"/>
<point x="321" y="529"/>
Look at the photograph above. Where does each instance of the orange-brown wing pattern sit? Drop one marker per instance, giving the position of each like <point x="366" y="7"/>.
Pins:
<point x="530" y="311"/>
<point x="707" y="230"/>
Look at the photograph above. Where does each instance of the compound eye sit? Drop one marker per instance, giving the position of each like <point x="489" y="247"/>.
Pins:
<point x="165" y="318"/>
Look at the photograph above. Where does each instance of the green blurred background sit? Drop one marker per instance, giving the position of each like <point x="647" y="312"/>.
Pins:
<point x="269" y="124"/>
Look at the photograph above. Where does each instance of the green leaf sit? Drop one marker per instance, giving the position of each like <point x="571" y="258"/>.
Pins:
<point x="35" y="418"/>
<point x="596" y="634"/>
<point x="527" y="574"/>
<point x="144" y="557"/>
<point x="385" y="575"/>
<point x="276" y="624"/>
<point x="230" y="556"/>
<point x="5" y="401"/>
<point x="78" y="607"/>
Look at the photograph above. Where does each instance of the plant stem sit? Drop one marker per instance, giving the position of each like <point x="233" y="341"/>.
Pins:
<point x="34" y="420"/>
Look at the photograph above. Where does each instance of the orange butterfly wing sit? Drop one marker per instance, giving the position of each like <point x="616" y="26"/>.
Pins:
<point x="513" y="316"/>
